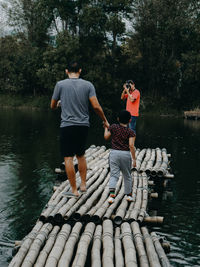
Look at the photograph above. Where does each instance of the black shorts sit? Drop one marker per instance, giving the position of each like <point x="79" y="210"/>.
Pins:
<point x="73" y="140"/>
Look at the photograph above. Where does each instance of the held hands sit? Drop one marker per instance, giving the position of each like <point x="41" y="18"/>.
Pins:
<point x="106" y="124"/>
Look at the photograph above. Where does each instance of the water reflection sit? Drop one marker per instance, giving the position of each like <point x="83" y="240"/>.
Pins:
<point x="29" y="152"/>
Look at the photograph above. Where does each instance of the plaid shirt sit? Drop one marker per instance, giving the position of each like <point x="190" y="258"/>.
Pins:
<point x="120" y="137"/>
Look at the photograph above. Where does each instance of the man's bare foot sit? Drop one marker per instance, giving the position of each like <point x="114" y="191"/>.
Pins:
<point x="83" y="188"/>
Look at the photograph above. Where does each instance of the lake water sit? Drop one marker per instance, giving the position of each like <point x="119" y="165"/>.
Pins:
<point x="29" y="153"/>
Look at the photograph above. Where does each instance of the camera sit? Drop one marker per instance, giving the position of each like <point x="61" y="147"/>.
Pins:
<point x="128" y="84"/>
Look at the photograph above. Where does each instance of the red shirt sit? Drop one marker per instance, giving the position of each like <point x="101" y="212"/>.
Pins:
<point x="120" y="136"/>
<point x="133" y="107"/>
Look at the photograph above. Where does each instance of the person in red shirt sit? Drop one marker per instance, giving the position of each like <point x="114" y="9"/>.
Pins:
<point x="133" y="102"/>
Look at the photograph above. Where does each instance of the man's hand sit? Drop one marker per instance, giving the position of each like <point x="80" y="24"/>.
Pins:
<point x="106" y="124"/>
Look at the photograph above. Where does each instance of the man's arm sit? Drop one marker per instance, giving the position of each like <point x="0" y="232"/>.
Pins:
<point x="98" y="109"/>
<point x="132" y="149"/>
<point x="53" y="104"/>
<point x="123" y="94"/>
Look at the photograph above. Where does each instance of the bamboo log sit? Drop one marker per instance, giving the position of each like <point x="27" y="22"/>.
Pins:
<point x="134" y="192"/>
<point x="120" y="213"/>
<point x="138" y="240"/>
<point x="129" y="248"/>
<point x="163" y="168"/>
<point x="91" y="212"/>
<point x="136" y="210"/>
<point x="114" y="205"/>
<point x="19" y="257"/>
<point x="119" y="258"/>
<point x="47" y="248"/>
<point x="101" y="211"/>
<point x="139" y="159"/>
<point x="90" y="190"/>
<point x="96" y="248"/>
<point x="153" y="220"/>
<point x="83" y="245"/>
<point x="90" y="201"/>
<point x="150" y="163"/>
<point x="68" y="251"/>
<point x="58" y="247"/>
<point x="108" y="246"/>
<point x="151" y="252"/>
<point x="59" y="214"/>
<point x="161" y="254"/>
<point x="35" y="248"/>
<point x="158" y="162"/>
<point x="169" y="175"/>
<point x="146" y="160"/>
<point x="143" y="207"/>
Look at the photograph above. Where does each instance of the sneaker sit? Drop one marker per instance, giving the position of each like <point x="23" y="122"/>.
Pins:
<point x="111" y="200"/>
<point x="129" y="198"/>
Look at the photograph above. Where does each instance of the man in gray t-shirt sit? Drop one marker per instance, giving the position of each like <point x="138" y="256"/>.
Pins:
<point x="74" y="95"/>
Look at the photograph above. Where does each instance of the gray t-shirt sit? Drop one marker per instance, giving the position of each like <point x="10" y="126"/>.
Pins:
<point x="74" y="94"/>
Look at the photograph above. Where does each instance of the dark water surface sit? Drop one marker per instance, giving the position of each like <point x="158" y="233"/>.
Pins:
<point x="29" y="153"/>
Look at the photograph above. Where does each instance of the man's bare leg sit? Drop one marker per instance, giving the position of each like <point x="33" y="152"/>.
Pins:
<point x="82" y="168"/>
<point x="71" y="174"/>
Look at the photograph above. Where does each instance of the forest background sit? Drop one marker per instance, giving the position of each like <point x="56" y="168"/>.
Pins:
<point x="156" y="43"/>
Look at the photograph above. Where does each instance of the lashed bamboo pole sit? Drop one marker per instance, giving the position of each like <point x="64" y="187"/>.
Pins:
<point x="68" y="251"/>
<point x="114" y="205"/>
<point x="139" y="159"/>
<point x="58" y="247"/>
<point x="138" y="240"/>
<point x="151" y="252"/>
<point x="47" y="248"/>
<point x="150" y="163"/>
<point x="36" y="245"/>
<point x="143" y="207"/>
<point x="96" y="247"/>
<point x="146" y="159"/>
<point x="134" y="192"/>
<point x="161" y="254"/>
<point x="108" y="246"/>
<point x="163" y="168"/>
<point x="158" y="162"/>
<point x="136" y="210"/>
<point x="90" y="201"/>
<point x="120" y="213"/>
<point x="101" y="201"/>
<point x="82" y="199"/>
<point x="119" y="258"/>
<point x="153" y="220"/>
<point x="101" y="211"/>
<point x="59" y="214"/>
<point x="19" y="257"/>
<point x="96" y="157"/>
<point x="129" y="248"/>
<point x="83" y="245"/>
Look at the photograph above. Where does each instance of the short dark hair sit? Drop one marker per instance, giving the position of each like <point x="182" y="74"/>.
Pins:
<point x="73" y="66"/>
<point x="130" y="81"/>
<point x="124" y="116"/>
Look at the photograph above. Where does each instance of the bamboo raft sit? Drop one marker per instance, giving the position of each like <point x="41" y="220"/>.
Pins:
<point x="195" y="115"/>
<point x="89" y="231"/>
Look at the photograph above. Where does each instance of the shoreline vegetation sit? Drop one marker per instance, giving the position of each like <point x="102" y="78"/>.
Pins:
<point x="147" y="106"/>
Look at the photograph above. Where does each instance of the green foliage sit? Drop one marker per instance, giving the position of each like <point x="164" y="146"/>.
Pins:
<point x="160" y="52"/>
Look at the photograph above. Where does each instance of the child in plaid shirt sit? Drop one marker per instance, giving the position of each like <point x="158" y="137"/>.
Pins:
<point x="122" y="155"/>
